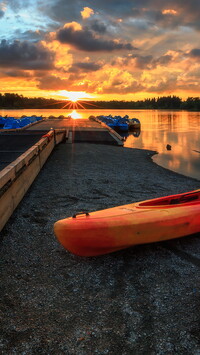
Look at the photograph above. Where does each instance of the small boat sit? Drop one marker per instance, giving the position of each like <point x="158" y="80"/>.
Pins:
<point x="109" y="230"/>
<point x="116" y="122"/>
<point x="133" y="123"/>
<point x="122" y="125"/>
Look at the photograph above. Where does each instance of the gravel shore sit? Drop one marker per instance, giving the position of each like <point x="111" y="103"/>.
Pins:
<point x="143" y="300"/>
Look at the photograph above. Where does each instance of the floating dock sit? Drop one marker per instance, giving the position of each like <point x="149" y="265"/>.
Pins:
<point x="23" y="153"/>
<point x="82" y="130"/>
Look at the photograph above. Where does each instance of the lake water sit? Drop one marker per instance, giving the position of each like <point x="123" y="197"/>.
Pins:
<point x="159" y="128"/>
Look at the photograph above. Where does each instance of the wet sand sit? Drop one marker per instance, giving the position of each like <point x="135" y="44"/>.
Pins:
<point x="142" y="300"/>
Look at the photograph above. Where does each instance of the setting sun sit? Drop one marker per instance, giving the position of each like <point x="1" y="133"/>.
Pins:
<point x="74" y="99"/>
<point x="74" y="95"/>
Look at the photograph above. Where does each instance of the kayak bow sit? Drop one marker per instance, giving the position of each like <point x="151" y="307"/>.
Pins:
<point x="109" y="230"/>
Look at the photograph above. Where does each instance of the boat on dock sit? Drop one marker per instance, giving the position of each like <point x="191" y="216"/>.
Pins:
<point x="109" y="230"/>
<point x="133" y="123"/>
<point x="118" y="123"/>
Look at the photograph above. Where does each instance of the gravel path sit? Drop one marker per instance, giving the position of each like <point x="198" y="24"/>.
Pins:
<point x="143" y="300"/>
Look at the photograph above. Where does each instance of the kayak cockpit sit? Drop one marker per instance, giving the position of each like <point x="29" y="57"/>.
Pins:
<point x="193" y="197"/>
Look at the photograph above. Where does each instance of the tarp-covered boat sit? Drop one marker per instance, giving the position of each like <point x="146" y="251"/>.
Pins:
<point x="109" y="230"/>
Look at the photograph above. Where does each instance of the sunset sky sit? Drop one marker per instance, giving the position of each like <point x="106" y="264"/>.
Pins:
<point x="103" y="49"/>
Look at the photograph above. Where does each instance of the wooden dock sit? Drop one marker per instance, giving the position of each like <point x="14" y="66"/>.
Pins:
<point x="24" y="152"/>
<point x="81" y="130"/>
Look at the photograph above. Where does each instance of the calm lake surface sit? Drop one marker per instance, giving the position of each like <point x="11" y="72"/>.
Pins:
<point x="179" y="129"/>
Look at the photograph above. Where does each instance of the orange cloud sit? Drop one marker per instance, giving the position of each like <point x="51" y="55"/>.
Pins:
<point x="62" y="58"/>
<point x="87" y="12"/>
<point x="75" y="26"/>
<point x="169" y="12"/>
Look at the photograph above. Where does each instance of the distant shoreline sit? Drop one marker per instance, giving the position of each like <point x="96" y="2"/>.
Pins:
<point x="15" y="101"/>
<point x="82" y="109"/>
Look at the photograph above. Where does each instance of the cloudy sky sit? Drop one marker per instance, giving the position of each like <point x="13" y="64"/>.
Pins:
<point x="103" y="49"/>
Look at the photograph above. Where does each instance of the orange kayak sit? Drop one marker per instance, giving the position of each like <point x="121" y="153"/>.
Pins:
<point x="109" y="230"/>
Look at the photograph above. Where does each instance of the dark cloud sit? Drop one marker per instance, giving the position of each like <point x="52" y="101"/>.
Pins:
<point x="147" y="62"/>
<point x="85" y="67"/>
<point x="119" y="87"/>
<point x="186" y="13"/>
<point x="164" y="60"/>
<point x="98" y="26"/>
<point x="1" y="13"/>
<point x="53" y="82"/>
<point x="171" y="14"/>
<point x="195" y="52"/>
<point x="144" y="62"/>
<point x="168" y="85"/>
<point x="30" y="35"/>
<point x="115" y="87"/>
<point x="25" y="55"/>
<point x="18" y="74"/>
<point x="63" y="11"/>
<point x="17" y="5"/>
<point x="86" y="40"/>
<point x="189" y="13"/>
<point x="171" y="85"/>
<point x="50" y="82"/>
<point x="194" y="74"/>
<point x="193" y="86"/>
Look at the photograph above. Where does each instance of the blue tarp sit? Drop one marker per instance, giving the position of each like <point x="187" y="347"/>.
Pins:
<point x="24" y="122"/>
<point x="116" y="122"/>
<point x="12" y="123"/>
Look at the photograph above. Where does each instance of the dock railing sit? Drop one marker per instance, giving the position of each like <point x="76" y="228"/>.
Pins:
<point x="17" y="177"/>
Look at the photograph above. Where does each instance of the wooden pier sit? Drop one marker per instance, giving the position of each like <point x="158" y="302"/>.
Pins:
<point x="82" y="130"/>
<point x="24" y="152"/>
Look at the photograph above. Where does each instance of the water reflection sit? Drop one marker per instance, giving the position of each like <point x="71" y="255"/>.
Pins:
<point x="136" y="133"/>
<point x="75" y="114"/>
<point x="180" y="129"/>
<point x="181" y="163"/>
<point x="175" y="136"/>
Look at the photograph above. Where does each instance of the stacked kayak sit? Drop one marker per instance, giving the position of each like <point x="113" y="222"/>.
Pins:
<point x="123" y="124"/>
<point x="13" y="123"/>
<point x="2" y="121"/>
<point x="106" y="231"/>
<point x="116" y="122"/>
<point x="134" y="124"/>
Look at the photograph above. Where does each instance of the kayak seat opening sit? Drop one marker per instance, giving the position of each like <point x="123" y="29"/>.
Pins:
<point x="173" y="200"/>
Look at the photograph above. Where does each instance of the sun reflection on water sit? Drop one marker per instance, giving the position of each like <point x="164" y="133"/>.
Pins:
<point x="75" y="115"/>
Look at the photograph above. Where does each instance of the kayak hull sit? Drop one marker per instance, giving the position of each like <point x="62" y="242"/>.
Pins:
<point x="121" y="227"/>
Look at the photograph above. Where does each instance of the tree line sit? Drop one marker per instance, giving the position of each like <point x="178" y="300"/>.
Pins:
<point x="15" y="101"/>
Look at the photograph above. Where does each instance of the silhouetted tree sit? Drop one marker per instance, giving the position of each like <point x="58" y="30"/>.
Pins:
<point x="15" y="101"/>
